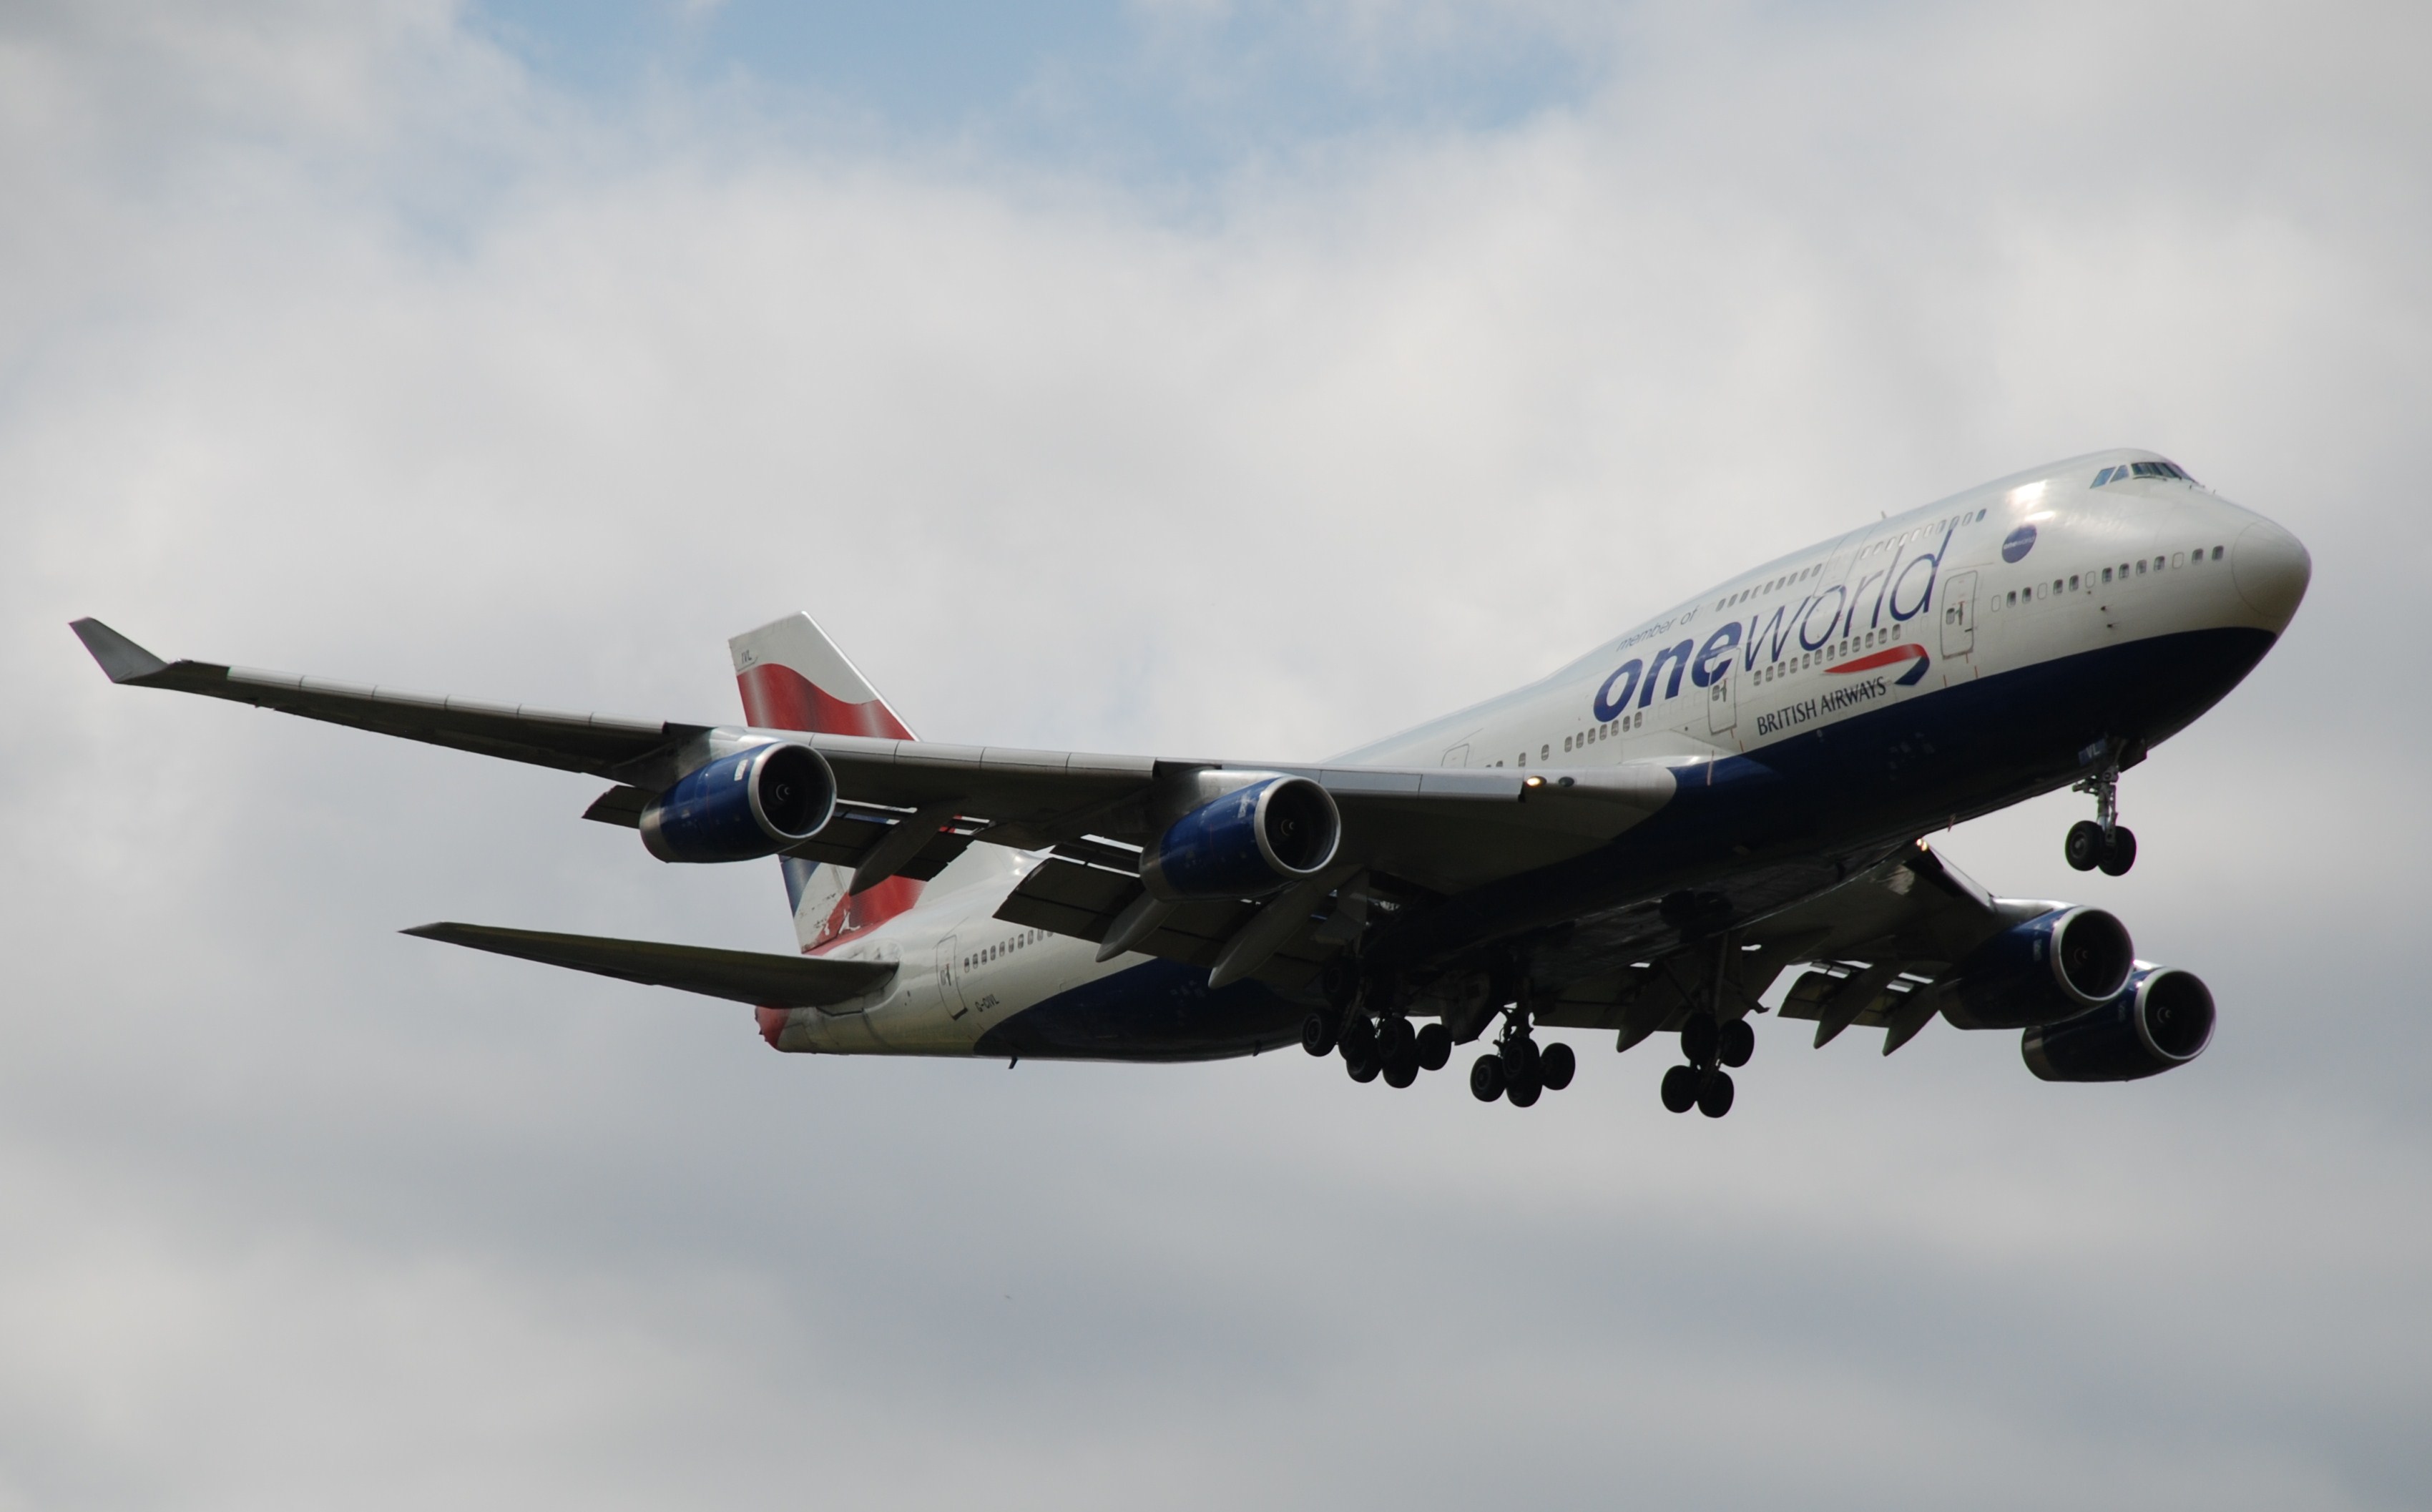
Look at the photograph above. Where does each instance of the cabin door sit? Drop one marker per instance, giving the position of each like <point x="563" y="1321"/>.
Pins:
<point x="1959" y="616"/>
<point x="950" y="977"/>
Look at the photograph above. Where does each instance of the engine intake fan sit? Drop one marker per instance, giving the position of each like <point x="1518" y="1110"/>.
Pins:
<point x="1246" y="843"/>
<point x="753" y="803"/>
<point x="2162" y="1022"/>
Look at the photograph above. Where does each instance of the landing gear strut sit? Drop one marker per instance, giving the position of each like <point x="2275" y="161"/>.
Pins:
<point x="2102" y="841"/>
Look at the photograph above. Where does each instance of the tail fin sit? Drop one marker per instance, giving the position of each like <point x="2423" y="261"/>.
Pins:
<point x="794" y="678"/>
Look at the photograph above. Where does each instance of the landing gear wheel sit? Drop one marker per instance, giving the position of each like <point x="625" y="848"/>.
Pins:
<point x="2120" y="853"/>
<point x="1401" y="1070"/>
<point x="1434" y="1048"/>
<point x="1358" y="1041"/>
<point x="1396" y="1041"/>
<point x="1715" y="1098"/>
<point x="1317" y="1033"/>
<point x="1736" y="1042"/>
<point x="1521" y="1094"/>
<point x="1556" y="1065"/>
<point x="2083" y="847"/>
<point x="1680" y="1088"/>
<point x="1362" y="1068"/>
<point x="1699" y="1039"/>
<point x="1486" y="1077"/>
<point x="1520" y="1058"/>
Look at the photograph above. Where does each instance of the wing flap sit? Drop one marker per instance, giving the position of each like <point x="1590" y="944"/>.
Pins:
<point x="764" y="981"/>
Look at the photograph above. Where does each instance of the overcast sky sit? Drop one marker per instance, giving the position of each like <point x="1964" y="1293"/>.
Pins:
<point x="1172" y="375"/>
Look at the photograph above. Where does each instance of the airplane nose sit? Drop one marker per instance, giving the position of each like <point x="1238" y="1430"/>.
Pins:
<point x="2272" y="570"/>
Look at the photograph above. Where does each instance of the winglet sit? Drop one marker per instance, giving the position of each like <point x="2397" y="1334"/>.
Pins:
<point x="125" y="661"/>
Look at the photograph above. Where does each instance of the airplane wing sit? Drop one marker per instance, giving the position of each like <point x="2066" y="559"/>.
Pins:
<point x="1443" y="830"/>
<point x="742" y="976"/>
<point x="1878" y="947"/>
<point x="599" y="744"/>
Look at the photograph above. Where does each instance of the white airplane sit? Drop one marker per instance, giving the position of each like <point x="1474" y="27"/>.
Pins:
<point x="1641" y="842"/>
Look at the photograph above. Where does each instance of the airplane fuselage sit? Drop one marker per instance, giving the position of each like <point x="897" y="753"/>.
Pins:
<point x="1923" y="669"/>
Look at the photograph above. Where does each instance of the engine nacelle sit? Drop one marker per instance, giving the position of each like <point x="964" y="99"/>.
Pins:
<point x="1246" y="843"/>
<point x="2163" y="1020"/>
<point x="2054" y="967"/>
<point x="753" y="803"/>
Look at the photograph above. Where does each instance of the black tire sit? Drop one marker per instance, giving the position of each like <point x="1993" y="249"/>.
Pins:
<point x="2120" y="853"/>
<point x="1396" y="1040"/>
<point x="1680" y="1088"/>
<point x="1359" y="1038"/>
<point x="2083" y="847"/>
<point x="1486" y="1077"/>
<point x="1520" y="1059"/>
<point x="1317" y="1033"/>
<point x="1401" y="1070"/>
<point x="1362" y="1068"/>
<point x="1434" y="1048"/>
<point x="1715" y="1098"/>
<point x="1521" y="1094"/>
<point x="1736" y="1043"/>
<point x="1698" y="1040"/>
<point x="1556" y="1065"/>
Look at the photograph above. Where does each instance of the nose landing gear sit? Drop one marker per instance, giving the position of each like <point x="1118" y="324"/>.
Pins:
<point x="2102" y="841"/>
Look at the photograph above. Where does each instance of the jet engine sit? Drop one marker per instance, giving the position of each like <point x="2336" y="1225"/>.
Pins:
<point x="1249" y="842"/>
<point x="753" y="803"/>
<point x="2164" y="1019"/>
<point x="2054" y="966"/>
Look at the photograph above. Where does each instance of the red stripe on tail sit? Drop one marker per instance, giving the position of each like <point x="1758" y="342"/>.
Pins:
<point x="779" y="697"/>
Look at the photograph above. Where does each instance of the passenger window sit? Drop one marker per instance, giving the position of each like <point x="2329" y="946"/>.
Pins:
<point x="2106" y="575"/>
<point x="2216" y="553"/>
<point x="2140" y="569"/>
<point x="2178" y="559"/>
<point x="1545" y="751"/>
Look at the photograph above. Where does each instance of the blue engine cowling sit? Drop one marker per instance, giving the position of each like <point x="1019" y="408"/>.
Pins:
<point x="741" y="807"/>
<point x="2054" y="967"/>
<point x="2163" y="1020"/>
<point x="1246" y="843"/>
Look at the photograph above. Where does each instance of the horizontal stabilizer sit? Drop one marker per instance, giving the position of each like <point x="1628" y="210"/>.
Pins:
<point x="743" y="976"/>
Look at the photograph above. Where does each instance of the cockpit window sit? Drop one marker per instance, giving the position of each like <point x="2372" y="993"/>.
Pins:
<point x="2142" y="469"/>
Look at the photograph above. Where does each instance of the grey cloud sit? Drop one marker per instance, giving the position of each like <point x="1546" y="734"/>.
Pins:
<point x="544" y="406"/>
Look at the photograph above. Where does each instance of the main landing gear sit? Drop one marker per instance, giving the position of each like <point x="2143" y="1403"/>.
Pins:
<point x="1708" y="1046"/>
<point x="2102" y="841"/>
<point x="1386" y="1044"/>
<point x="1392" y="1048"/>
<point x="1517" y="1070"/>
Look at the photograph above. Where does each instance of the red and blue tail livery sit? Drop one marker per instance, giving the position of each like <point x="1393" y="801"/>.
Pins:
<point x="1713" y="818"/>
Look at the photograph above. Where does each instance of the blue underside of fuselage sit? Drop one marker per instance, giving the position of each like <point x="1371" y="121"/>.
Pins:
<point x="1743" y="835"/>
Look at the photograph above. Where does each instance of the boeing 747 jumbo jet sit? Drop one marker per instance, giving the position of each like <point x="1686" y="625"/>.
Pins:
<point x="1641" y="843"/>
